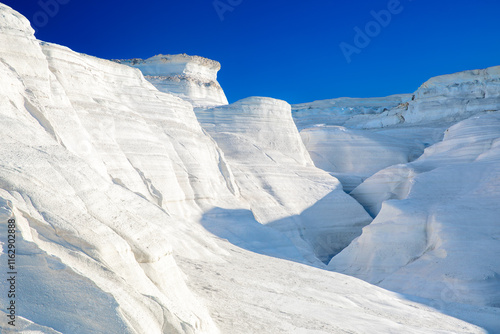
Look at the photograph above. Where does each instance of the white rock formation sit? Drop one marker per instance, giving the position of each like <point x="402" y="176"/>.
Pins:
<point x="447" y="99"/>
<point x="436" y="233"/>
<point x="87" y="171"/>
<point x="415" y="121"/>
<point x="276" y="176"/>
<point x="118" y="191"/>
<point x="353" y="155"/>
<point x="348" y="112"/>
<point x="192" y="78"/>
<point x="455" y="97"/>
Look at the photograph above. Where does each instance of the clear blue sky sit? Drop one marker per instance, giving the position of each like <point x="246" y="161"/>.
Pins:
<point x="283" y="48"/>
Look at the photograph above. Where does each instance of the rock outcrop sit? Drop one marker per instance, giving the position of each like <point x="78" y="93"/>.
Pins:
<point x="192" y="78"/>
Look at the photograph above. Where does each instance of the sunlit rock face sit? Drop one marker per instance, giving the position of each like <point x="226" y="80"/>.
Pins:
<point x="192" y="78"/>
<point x="456" y="96"/>
<point x="132" y="217"/>
<point x="108" y="178"/>
<point x="427" y="170"/>
<point x="447" y="98"/>
<point x="440" y="213"/>
<point x="276" y="176"/>
<point x="353" y="155"/>
<point x="92" y="179"/>
<point x="350" y="112"/>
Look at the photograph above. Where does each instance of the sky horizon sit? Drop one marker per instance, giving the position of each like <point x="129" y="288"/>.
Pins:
<point x="290" y="50"/>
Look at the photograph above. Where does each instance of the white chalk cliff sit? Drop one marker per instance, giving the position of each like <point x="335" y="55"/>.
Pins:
<point x="276" y="176"/>
<point x="192" y="78"/>
<point x="145" y="204"/>
<point x="427" y="171"/>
